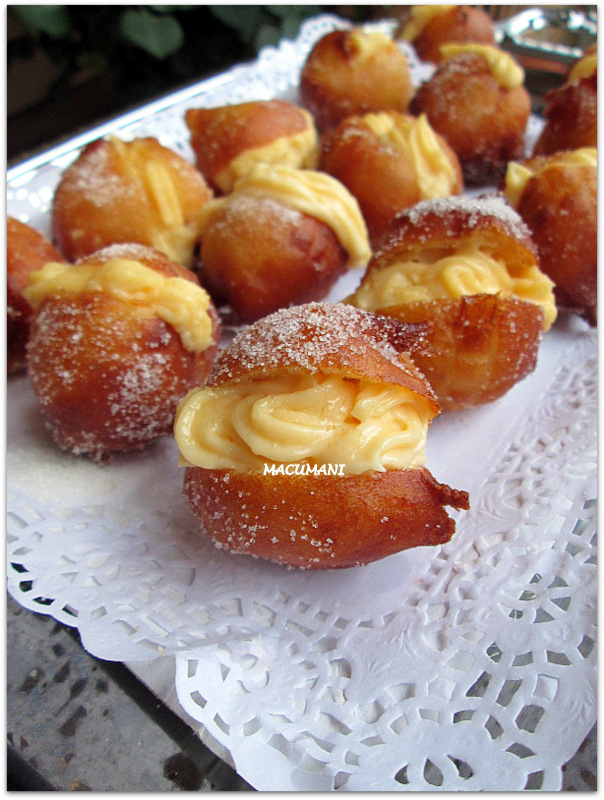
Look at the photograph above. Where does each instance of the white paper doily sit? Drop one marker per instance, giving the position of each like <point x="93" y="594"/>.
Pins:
<point x="468" y="666"/>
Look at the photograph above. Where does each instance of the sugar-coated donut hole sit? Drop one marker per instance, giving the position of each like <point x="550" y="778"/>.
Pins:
<point x="339" y="79"/>
<point x="128" y="191"/>
<point x="27" y="250"/>
<point x="107" y="373"/>
<point x="258" y="255"/>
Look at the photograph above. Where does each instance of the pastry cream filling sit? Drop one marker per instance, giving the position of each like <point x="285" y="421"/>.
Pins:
<point x="517" y="174"/>
<point x="420" y="17"/>
<point x="173" y="236"/>
<point x="292" y="150"/>
<point x="293" y="418"/>
<point x="468" y="271"/>
<point x="583" y="68"/>
<point x="314" y="193"/>
<point x="182" y="304"/>
<point x="367" y="44"/>
<point x="415" y="139"/>
<point x="507" y="73"/>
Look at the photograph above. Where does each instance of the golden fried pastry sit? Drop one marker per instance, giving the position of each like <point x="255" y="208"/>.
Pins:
<point x="571" y="110"/>
<point x="585" y="66"/>
<point x="116" y="341"/>
<point x="228" y="141"/>
<point x="470" y="267"/>
<point x="476" y="100"/>
<point x="429" y="27"/>
<point x="27" y="250"/>
<point x="282" y="237"/>
<point x="120" y="192"/>
<point x="307" y="446"/>
<point x="389" y="161"/>
<point x="354" y="72"/>
<point x="557" y="197"/>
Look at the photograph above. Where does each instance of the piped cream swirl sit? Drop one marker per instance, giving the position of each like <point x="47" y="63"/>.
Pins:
<point x="415" y="138"/>
<point x="468" y="271"/>
<point x="507" y="72"/>
<point x="292" y="418"/>
<point x="181" y="303"/>
<point x="310" y="192"/>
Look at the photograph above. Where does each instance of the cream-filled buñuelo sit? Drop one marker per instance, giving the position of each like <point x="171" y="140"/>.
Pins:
<point x="307" y="445"/>
<point x="469" y="267"/>
<point x="117" y="339"/>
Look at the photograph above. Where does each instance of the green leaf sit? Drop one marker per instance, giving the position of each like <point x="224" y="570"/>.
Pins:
<point x="291" y="26"/>
<point x="170" y="9"/>
<point x="267" y="35"/>
<point x="244" y="19"/>
<point x="52" y="20"/>
<point x="297" y="12"/>
<point x="158" y="36"/>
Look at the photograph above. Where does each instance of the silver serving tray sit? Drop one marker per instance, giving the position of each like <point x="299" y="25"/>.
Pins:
<point x="548" y="38"/>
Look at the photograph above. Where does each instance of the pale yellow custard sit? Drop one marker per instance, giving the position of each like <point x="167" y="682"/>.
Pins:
<point x="517" y="175"/>
<point x="174" y="237"/>
<point x="317" y="419"/>
<point x="182" y="304"/>
<point x="507" y="72"/>
<point x="468" y="271"/>
<point x="314" y="193"/>
<point x="415" y="139"/>
<point x="420" y="17"/>
<point x="583" y="68"/>
<point x="366" y="43"/>
<point x="293" y="150"/>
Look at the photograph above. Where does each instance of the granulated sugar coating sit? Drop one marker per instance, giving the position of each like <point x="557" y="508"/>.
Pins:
<point x="325" y="337"/>
<point x="106" y="370"/>
<point x="324" y="520"/>
<point x="322" y="523"/>
<point x="477" y="209"/>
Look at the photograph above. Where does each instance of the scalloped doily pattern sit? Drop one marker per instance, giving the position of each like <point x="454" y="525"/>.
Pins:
<point x="463" y="677"/>
<point x="470" y="666"/>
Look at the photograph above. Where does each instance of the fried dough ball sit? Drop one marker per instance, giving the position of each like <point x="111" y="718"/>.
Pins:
<point x="389" y="161"/>
<point x="429" y="27"/>
<point x="282" y="237"/>
<point x="470" y="268"/>
<point x="307" y="446"/>
<point x="228" y="141"/>
<point x="120" y="192"/>
<point x="557" y="197"/>
<point x="571" y="110"/>
<point x="116" y="341"/>
<point x="354" y="72"/>
<point x="27" y="250"/>
<point x="476" y="100"/>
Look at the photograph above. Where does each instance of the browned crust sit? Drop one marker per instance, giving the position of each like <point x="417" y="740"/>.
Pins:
<point x="102" y="200"/>
<point x="383" y="181"/>
<point x="571" y="117"/>
<point x="480" y="346"/>
<point x="484" y="123"/>
<point x="446" y="224"/>
<point x="219" y="135"/>
<point x="322" y="522"/>
<point x="460" y="24"/>
<point x="335" y="83"/>
<point x="108" y="375"/>
<point x="559" y="205"/>
<point x="258" y="255"/>
<point x="27" y="250"/>
<point x="330" y="339"/>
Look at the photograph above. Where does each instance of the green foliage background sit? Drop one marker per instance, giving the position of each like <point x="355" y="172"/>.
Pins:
<point x="146" y="50"/>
